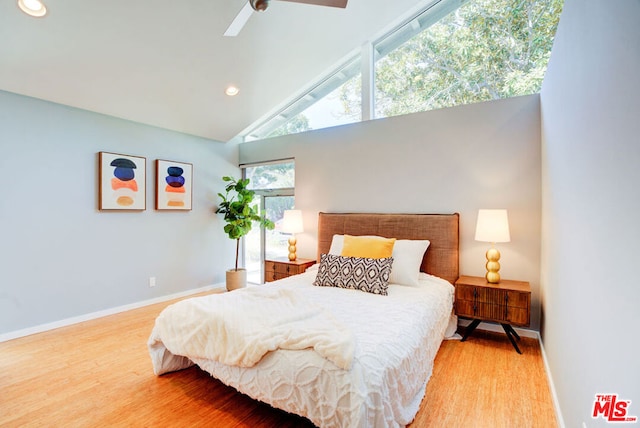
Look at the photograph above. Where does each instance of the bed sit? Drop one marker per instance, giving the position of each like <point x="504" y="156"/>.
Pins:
<point x="363" y="361"/>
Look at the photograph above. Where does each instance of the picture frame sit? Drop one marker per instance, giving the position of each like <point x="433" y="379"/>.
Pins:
<point x="122" y="182"/>
<point x="174" y="185"/>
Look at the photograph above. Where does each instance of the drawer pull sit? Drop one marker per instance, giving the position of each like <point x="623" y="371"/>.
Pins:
<point x="506" y="306"/>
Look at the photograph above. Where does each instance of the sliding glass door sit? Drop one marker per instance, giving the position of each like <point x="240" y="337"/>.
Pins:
<point x="274" y="187"/>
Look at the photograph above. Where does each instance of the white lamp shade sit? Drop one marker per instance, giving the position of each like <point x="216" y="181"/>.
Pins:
<point x="292" y="221"/>
<point x="492" y="226"/>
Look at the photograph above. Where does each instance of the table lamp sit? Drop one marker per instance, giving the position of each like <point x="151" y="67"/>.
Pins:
<point x="292" y="223"/>
<point x="492" y="226"/>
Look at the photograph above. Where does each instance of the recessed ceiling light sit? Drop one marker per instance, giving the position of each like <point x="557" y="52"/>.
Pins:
<point x="33" y="7"/>
<point x="231" y="90"/>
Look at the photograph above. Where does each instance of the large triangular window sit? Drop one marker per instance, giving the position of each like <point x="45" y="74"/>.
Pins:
<point x="453" y="52"/>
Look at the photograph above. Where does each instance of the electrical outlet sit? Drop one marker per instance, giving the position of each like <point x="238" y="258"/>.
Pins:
<point x="152" y="281"/>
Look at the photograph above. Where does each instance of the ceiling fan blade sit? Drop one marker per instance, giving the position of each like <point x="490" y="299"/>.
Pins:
<point x="239" y="21"/>
<point x="332" y="3"/>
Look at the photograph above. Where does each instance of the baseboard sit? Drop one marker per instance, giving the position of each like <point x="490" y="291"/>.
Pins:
<point x="552" y="386"/>
<point x="87" y="317"/>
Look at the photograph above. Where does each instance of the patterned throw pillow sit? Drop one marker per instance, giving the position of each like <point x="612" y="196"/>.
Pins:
<point x="329" y="271"/>
<point x="357" y="273"/>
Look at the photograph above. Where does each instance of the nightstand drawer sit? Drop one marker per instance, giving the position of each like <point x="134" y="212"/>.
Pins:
<point x="279" y="269"/>
<point x="466" y="292"/>
<point x="518" y="300"/>
<point x="492" y="312"/>
<point x="465" y="308"/>
<point x="274" y="276"/>
<point x="491" y="295"/>
<point x="518" y="316"/>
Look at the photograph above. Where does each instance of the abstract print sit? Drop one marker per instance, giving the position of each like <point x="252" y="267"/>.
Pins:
<point x="122" y="182"/>
<point x="173" y="185"/>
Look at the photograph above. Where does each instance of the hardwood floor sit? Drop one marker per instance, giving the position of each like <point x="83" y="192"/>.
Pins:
<point x="98" y="373"/>
<point x="483" y="382"/>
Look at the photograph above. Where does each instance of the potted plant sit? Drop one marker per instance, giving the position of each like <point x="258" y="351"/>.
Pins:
<point x="239" y="215"/>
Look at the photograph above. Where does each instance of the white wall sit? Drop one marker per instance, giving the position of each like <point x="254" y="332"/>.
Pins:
<point x="459" y="159"/>
<point x="591" y="200"/>
<point x="60" y="257"/>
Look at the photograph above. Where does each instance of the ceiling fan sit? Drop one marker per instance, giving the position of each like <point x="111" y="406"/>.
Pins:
<point x="260" y="5"/>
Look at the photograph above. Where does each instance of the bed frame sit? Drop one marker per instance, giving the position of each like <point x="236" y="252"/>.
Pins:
<point x="442" y="230"/>
<point x="441" y="259"/>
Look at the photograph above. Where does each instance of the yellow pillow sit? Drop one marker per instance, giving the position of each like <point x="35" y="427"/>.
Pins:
<point x="371" y="247"/>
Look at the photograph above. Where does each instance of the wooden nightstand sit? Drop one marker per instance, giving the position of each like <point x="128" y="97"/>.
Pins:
<point x="507" y="303"/>
<point x="282" y="268"/>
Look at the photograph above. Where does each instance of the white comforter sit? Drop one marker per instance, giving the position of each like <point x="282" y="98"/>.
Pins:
<point x="239" y="328"/>
<point x="396" y="338"/>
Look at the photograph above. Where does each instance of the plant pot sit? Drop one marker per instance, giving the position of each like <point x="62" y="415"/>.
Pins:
<point x="236" y="279"/>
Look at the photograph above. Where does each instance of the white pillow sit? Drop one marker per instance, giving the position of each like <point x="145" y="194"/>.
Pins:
<point x="407" y="258"/>
<point x="337" y="242"/>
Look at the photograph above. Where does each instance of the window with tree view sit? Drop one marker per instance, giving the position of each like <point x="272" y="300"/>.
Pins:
<point x="274" y="186"/>
<point x="454" y="52"/>
<point x="483" y="50"/>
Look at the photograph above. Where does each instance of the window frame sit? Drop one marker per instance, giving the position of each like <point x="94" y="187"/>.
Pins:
<point x="349" y="68"/>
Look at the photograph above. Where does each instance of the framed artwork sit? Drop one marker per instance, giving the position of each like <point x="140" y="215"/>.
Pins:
<point x="174" y="185"/>
<point x="122" y="182"/>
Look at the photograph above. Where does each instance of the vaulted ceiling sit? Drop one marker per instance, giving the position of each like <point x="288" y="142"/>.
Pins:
<point x="166" y="62"/>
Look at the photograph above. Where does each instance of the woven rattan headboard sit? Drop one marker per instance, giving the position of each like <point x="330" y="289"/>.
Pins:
<point x="441" y="259"/>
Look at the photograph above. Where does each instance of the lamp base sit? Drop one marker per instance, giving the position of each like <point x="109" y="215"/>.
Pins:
<point x="292" y="248"/>
<point x="493" y="266"/>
